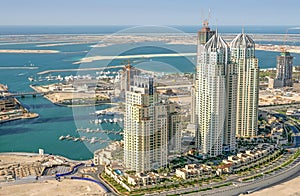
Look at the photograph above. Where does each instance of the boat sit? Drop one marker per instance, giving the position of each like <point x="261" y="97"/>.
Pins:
<point x="60" y="78"/>
<point x="68" y="137"/>
<point x="31" y="79"/>
<point x="100" y="112"/>
<point x="62" y="137"/>
<point x="111" y="120"/>
<point x="76" y="139"/>
<point x="83" y="138"/>
<point x="93" y="140"/>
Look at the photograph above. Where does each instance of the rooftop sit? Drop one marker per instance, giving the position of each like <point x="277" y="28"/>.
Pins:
<point x="242" y="40"/>
<point x="216" y="42"/>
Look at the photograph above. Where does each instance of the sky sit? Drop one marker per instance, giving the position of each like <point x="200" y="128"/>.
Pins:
<point x="149" y="12"/>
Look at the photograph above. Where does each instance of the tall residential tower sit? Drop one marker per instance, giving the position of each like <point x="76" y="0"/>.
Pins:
<point x="243" y="57"/>
<point x="203" y="36"/>
<point x="216" y="83"/>
<point x="145" y="127"/>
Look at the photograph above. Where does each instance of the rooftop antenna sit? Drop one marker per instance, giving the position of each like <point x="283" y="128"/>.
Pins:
<point x="217" y="25"/>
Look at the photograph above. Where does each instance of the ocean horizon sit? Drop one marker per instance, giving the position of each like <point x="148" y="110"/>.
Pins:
<point x="108" y="29"/>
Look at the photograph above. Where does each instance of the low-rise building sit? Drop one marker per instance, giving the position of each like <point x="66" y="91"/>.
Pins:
<point x="8" y="103"/>
<point x="143" y="179"/>
<point x="224" y="169"/>
<point x="246" y="159"/>
<point x="193" y="171"/>
<point x="115" y="171"/>
<point x="105" y="156"/>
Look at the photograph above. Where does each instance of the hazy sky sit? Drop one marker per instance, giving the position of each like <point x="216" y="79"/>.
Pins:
<point x="148" y="12"/>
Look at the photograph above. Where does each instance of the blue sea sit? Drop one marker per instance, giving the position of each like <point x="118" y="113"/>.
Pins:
<point x="54" y="121"/>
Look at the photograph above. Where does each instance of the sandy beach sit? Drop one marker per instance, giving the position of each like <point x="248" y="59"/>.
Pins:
<point x="278" y="48"/>
<point x="61" y="44"/>
<point x="30" y="51"/>
<point x="289" y="188"/>
<point x="97" y="58"/>
<point x="53" y="187"/>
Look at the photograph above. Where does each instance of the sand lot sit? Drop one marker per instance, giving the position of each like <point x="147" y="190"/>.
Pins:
<point x="52" y="188"/>
<point x="10" y="159"/>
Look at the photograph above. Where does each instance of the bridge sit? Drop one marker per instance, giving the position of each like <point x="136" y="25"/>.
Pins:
<point x="20" y="94"/>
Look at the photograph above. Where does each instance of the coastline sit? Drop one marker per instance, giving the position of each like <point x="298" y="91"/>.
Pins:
<point x="32" y="154"/>
<point x="66" y="96"/>
<point x="33" y="115"/>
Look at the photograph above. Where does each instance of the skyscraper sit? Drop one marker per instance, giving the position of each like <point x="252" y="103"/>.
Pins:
<point x="203" y="36"/>
<point x="145" y="127"/>
<point x="216" y="82"/>
<point x="126" y="79"/>
<point x="175" y="126"/>
<point x="284" y="77"/>
<point x="243" y="56"/>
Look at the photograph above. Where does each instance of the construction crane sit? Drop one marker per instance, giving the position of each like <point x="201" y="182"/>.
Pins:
<point x="283" y="48"/>
<point x="206" y="20"/>
<point x="128" y="70"/>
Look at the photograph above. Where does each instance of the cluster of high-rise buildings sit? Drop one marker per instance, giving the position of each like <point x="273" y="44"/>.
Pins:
<point x="226" y="91"/>
<point x="224" y="105"/>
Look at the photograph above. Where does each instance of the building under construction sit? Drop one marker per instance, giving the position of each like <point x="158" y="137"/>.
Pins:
<point x="284" y="71"/>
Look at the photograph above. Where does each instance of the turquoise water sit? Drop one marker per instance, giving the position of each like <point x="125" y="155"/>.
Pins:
<point x="54" y="121"/>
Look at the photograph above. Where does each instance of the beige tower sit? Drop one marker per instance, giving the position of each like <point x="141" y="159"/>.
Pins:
<point x="145" y="127"/>
<point x="243" y="56"/>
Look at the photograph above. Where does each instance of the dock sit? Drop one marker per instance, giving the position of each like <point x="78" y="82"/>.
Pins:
<point x="79" y="69"/>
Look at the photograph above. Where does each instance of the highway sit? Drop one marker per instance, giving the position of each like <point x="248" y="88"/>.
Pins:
<point x="259" y="183"/>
